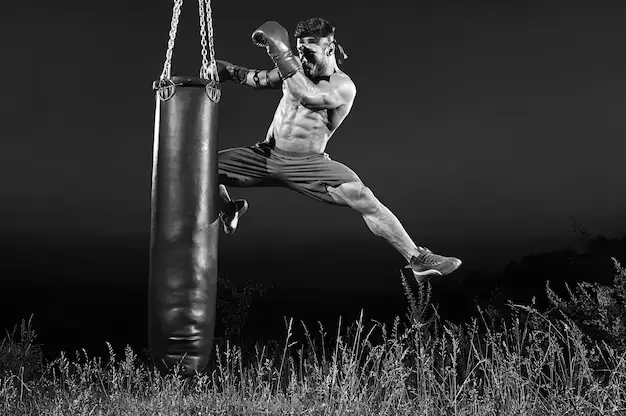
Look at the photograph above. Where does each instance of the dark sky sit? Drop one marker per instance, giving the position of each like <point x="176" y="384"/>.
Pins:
<point x="485" y="127"/>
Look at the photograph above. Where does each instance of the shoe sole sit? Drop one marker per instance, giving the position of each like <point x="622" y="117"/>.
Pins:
<point x="231" y="230"/>
<point x="420" y="276"/>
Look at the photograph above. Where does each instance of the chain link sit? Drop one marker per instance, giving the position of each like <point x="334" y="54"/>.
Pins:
<point x="212" y="69"/>
<point x="167" y="67"/>
<point x="203" y="42"/>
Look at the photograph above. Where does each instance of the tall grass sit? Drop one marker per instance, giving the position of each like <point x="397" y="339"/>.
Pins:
<point x="525" y="363"/>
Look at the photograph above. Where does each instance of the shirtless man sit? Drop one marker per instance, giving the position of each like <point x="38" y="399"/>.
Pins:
<point x="317" y="97"/>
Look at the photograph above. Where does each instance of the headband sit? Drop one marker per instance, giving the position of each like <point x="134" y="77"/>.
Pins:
<point x="331" y="39"/>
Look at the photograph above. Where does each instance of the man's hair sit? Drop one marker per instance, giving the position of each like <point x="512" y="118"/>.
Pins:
<point x="315" y="27"/>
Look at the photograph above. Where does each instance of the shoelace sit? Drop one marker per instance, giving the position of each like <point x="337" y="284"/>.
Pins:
<point x="427" y="257"/>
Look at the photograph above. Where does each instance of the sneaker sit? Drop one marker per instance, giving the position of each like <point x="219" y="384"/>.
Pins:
<point x="427" y="263"/>
<point x="230" y="216"/>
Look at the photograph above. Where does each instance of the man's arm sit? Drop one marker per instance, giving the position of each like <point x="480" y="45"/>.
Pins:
<point x="254" y="78"/>
<point x="326" y="95"/>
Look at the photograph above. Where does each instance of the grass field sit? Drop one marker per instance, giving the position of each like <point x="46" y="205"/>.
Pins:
<point x="525" y="362"/>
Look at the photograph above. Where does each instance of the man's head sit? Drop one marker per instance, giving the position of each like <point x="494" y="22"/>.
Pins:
<point x="316" y="45"/>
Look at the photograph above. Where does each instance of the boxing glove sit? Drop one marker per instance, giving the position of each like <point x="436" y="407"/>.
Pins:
<point x="275" y="39"/>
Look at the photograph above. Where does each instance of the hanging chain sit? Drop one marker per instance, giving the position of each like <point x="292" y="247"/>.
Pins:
<point x="209" y="66"/>
<point x="209" y="69"/>
<point x="167" y="67"/>
<point x="203" y="42"/>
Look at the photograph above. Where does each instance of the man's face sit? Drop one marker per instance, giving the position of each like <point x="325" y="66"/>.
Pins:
<point x="313" y="54"/>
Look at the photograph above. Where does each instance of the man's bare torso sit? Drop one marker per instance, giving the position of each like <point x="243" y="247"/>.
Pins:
<point x="299" y="129"/>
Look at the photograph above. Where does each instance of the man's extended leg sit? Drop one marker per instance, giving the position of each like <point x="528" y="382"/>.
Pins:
<point x="330" y="181"/>
<point x="383" y="223"/>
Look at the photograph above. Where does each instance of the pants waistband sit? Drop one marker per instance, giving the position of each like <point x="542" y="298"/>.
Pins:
<point x="293" y="154"/>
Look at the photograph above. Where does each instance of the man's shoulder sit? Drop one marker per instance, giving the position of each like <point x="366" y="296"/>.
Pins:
<point x="343" y="81"/>
<point x="341" y="77"/>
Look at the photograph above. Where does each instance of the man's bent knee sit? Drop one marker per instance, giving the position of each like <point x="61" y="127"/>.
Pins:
<point x="356" y="195"/>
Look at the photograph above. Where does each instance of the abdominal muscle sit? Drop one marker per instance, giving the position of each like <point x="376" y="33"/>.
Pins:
<point x="296" y="128"/>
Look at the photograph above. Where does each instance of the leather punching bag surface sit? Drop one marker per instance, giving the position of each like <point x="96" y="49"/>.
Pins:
<point x="184" y="225"/>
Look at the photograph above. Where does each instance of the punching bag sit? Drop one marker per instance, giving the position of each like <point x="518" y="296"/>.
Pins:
<point x="184" y="225"/>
